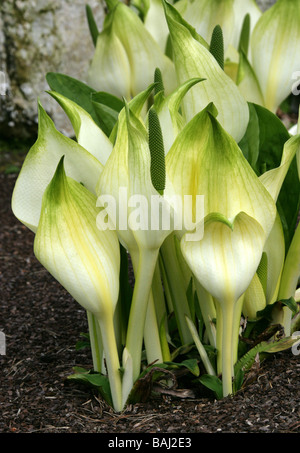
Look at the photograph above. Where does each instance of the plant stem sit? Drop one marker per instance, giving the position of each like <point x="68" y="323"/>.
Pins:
<point x="158" y="296"/>
<point x="96" y="342"/>
<point x="225" y="344"/>
<point x="137" y="316"/>
<point x="236" y="328"/>
<point x="202" y="352"/>
<point x="165" y="285"/>
<point x="208" y="310"/>
<point x="106" y="324"/>
<point x="151" y="334"/>
<point x="176" y="287"/>
<point x="151" y="329"/>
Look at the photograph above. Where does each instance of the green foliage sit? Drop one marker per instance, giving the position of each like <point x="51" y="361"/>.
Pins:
<point x="262" y="146"/>
<point x="92" y="24"/>
<point x="190" y="325"/>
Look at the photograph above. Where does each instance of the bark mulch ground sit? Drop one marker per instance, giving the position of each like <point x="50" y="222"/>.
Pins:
<point x="42" y="325"/>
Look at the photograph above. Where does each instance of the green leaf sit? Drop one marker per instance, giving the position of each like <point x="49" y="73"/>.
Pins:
<point x="81" y="344"/>
<point x="217" y="45"/>
<point x="213" y="383"/>
<point x="164" y="340"/>
<point x="282" y="345"/>
<point x="107" y="114"/>
<point x="109" y="100"/>
<point x="190" y="364"/>
<point x="92" y="24"/>
<point x="291" y="304"/>
<point x="250" y="142"/>
<point x="269" y="310"/>
<point x="73" y="89"/>
<point x="239" y="379"/>
<point x="246" y="361"/>
<point x="97" y="380"/>
<point x="191" y="297"/>
<point x="181" y="350"/>
<point x="262" y="146"/>
<point x="126" y="290"/>
<point x="245" y="35"/>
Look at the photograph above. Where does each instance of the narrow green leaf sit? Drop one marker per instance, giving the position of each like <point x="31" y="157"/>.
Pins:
<point x="190" y="295"/>
<point x="164" y="341"/>
<point x="213" y="383"/>
<point x="125" y="288"/>
<point x="245" y="35"/>
<point x="156" y="146"/>
<point x="201" y="349"/>
<point x="217" y="45"/>
<point x="92" y="24"/>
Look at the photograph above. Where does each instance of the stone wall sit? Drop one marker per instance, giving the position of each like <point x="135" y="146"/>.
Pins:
<point x="38" y="36"/>
<point x="265" y="4"/>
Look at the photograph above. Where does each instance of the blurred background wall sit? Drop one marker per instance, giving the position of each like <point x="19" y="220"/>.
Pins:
<point x="38" y="36"/>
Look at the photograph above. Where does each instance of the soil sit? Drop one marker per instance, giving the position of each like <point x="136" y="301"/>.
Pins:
<point x="43" y="324"/>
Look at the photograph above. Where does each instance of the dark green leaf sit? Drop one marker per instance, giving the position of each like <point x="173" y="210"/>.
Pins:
<point x="92" y="24"/>
<point x="107" y="108"/>
<point x="268" y="133"/>
<point x="125" y="287"/>
<point x="250" y="142"/>
<point x="269" y="309"/>
<point x="238" y="380"/>
<point x="181" y="350"/>
<point x="109" y="100"/>
<point x="291" y="304"/>
<point x="106" y="116"/>
<point x="213" y="383"/>
<point x="190" y="364"/>
<point x="245" y="35"/>
<point x="95" y="380"/>
<point x="191" y="298"/>
<point x="74" y="90"/>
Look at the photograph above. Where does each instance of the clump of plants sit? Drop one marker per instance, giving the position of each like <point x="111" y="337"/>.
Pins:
<point x="180" y="168"/>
